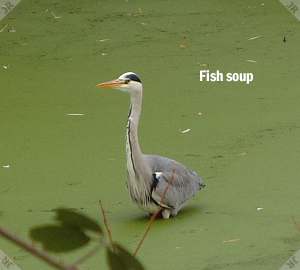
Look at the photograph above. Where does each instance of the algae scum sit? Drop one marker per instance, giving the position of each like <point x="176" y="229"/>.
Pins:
<point x="62" y="140"/>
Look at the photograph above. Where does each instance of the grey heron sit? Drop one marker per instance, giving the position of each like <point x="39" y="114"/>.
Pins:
<point x="149" y="176"/>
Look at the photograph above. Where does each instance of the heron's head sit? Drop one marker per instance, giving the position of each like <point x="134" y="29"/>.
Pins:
<point x="127" y="82"/>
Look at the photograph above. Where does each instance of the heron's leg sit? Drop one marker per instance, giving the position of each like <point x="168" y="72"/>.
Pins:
<point x="166" y="213"/>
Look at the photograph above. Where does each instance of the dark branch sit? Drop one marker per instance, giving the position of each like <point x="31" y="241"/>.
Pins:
<point x="35" y="252"/>
<point x="106" y="224"/>
<point x="154" y="216"/>
<point x="88" y="255"/>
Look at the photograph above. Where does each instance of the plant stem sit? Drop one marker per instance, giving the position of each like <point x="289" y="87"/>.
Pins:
<point x="153" y="217"/>
<point x="88" y="255"/>
<point x="106" y="224"/>
<point x="34" y="251"/>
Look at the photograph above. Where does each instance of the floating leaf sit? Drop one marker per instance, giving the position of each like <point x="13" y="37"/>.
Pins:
<point x="120" y="259"/>
<point x="57" y="238"/>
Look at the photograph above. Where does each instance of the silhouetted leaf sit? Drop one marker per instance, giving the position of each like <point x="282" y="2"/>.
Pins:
<point x="68" y="233"/>
<point x="120" y="259"/>
<point x="57" y="238"/>
<point x="70" y="217"/>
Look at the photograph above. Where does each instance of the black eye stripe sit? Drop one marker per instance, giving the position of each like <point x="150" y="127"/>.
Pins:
<point x="133" y="77"/>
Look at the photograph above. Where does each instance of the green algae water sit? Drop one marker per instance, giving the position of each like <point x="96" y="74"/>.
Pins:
<point x="62" y="140"/>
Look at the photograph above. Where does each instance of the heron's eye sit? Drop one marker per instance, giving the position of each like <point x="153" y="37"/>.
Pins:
<point x="126" y="81"/>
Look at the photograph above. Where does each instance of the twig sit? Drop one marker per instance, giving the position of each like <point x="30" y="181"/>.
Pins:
<point x="35" y="252"/>
<point x="231" y="240"/>
<point x="106" y="224"/>
<point x="153" y="217"/>
<point x="3" y="28"/>
<point x="167" y="187"/>
<point x="54" y="16"/>
<point x="88" y="255"/>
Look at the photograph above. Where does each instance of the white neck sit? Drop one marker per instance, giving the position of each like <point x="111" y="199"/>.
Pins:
<point x="139" y="173"/>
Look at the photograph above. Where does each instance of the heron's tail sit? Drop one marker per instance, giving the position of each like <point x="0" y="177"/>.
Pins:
<point x="201" y="183"/>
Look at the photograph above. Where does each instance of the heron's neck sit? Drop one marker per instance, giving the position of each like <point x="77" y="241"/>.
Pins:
<point x="138" y="169"/>
<point x="134" y="118"/>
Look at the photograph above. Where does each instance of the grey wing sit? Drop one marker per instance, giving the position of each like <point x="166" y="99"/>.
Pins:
<point x="180" y="182"/>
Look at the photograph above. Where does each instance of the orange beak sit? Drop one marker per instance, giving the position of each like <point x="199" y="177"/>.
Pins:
<point x="111" y="84"/>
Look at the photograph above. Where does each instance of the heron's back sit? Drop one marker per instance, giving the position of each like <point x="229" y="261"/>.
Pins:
<point x="164" y="164"/>
<point x="184" y="183"/>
